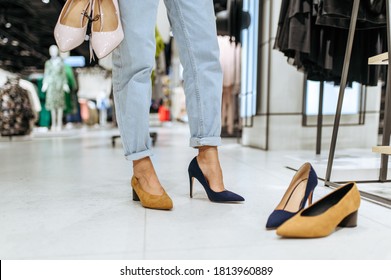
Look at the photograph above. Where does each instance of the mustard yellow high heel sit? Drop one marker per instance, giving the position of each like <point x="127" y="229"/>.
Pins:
<point x="161" y="202"/>
<point x="337" y="209"/>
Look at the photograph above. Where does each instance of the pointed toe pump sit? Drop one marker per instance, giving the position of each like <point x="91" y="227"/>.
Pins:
<point x="224" y="196"/>
<point x="337" y="209"/>
<point x="107" y="32"/>
<point x="70" y="30"/>
<point x="160" y="202"/>
<point x="299" y="191"/>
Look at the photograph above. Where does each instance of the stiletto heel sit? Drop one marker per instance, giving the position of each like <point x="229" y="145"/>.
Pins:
<point x="191" y="179"/>
<point x="310" y="197"/>
<point x="337" y="209"/>
<point x="70" y="30"/>
<point x="224" y="196"/>
<point x="299" y="191"/>
<point x="162" y="202"/>
<point x="350" y="220"/>
<point x="135" y="196"/>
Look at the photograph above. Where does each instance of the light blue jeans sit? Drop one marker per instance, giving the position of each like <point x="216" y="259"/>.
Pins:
<point x="194" y="27"/>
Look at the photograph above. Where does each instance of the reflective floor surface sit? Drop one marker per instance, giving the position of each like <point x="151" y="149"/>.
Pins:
<point x="67" y="196"/>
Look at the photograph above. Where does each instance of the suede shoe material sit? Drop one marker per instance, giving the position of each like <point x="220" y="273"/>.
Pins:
<point x="161" y="202"/>
<point x="299" y="191"/>
<point x="339" y="208"/>
<point x="220" y="197"/>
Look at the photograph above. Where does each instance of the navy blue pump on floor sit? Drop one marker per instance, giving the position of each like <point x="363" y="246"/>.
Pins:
<point x="224" y="196"/>
<point x="299" y="191"/>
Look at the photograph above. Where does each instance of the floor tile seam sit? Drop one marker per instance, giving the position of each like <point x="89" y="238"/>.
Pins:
<point x="144" y="250"/>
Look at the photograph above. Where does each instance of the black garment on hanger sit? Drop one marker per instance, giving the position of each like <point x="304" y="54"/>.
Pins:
<point x="337" y="13"/>
<point x="15" y="110"/>
<point x="313" y="35"/>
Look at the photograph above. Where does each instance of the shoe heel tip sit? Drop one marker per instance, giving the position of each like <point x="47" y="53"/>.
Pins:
<point x="135" y="196"/>
<point x="349" y="221"/>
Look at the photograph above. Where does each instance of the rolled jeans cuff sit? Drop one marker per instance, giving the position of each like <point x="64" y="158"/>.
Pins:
<point x="205" y="141"/>
<point x="139" y="155"/>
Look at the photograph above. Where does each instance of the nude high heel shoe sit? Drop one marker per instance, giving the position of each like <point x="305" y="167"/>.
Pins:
<point x="107" y="31"/>
<point x="71" y="27"/>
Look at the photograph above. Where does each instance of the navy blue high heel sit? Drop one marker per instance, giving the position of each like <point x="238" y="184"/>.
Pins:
<point x="224" y="196"/>
<point x="300" y="189"/>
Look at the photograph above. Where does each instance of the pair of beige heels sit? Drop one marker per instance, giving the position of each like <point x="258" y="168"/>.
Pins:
<point x="106" y="28"/>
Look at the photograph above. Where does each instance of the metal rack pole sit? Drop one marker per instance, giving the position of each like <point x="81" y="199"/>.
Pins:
<point x="387" y="113"/>
<point x="320" y="120"/>
<point x="344" y="77"/>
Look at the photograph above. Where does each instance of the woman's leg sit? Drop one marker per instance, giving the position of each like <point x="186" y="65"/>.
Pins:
<point x="133" y="61"/>
<point x="194" y="28"/>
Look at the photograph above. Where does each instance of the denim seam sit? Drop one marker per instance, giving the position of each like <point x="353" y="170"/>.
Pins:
<point x="119" y="105"/>
<point x="193" y="65"/>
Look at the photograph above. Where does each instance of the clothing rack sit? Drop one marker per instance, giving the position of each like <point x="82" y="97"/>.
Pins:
<point x="387" y="114"/>
<point x="319" y="124"/>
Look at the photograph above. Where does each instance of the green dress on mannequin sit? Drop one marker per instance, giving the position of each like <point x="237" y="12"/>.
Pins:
<point x="55" y="85"/>
<point x="44" y="115"/>
<point x="70" y="98"/>
<point x="55" y="78"/>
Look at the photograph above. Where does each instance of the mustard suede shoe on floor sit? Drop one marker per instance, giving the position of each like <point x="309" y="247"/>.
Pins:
<point x="161" y="202"/>
<point x="337" y="209"/>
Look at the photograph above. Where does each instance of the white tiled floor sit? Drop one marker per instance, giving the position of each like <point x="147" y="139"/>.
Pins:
<point x="69" y="198"/>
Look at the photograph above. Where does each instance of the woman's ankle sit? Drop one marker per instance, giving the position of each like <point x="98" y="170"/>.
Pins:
<point x="145" y="173"/>
<point x="208" y="160"/>
<point x="142" y="167"/>
<point x="208" y="155"/>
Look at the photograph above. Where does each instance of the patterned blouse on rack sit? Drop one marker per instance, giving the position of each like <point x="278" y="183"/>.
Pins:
<point x="15" y="110"/>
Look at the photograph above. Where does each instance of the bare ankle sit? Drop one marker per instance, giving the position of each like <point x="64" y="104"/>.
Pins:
<point x="144" y="171"/>
<point x="142" y="166"/>
<point x="207" y="154"/>
<point x="209" y="163"/>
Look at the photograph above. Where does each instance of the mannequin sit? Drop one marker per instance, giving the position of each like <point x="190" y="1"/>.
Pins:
<point x="55" y="84"/>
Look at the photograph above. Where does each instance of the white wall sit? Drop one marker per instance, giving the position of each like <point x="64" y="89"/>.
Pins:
<point x="286" y="93"/>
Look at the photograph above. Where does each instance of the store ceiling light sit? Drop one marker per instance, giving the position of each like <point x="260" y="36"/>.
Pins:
<point x="8" y="25"/>
<point x="46" y="1"/>
<point x="15" y="43"/>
